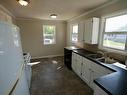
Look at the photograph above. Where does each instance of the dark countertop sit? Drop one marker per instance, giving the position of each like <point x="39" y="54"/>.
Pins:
<point x="72" y="47"/>
<point x="114" y="83"/>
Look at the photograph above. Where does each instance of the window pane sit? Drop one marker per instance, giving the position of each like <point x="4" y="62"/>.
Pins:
<point x="74" y="37"/>
<point x="116" y="41"/>
<point x="74" y="33"/>
<point x="75" y="29"/>
<point x="49" y="34"/>
<point x="116" y="24"/>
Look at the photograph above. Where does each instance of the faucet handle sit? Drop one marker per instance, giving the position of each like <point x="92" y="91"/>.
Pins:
<point x="100" y="52"/>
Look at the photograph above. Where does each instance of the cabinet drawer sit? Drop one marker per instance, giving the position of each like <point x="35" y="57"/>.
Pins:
<point x="79" y="58"/>
<point x="87" y="62"/>
<point x="99" y="91"/>
<point x="74" y="55"/>
<point x="97" y="67"/>
<point x="108" y="71"/>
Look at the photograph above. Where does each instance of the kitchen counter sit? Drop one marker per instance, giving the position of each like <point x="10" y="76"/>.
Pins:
<point x="72" y="47"/>
<point x="114" y="83"/>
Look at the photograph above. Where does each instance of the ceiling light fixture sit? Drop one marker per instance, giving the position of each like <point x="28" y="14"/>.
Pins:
<point x="53" y="16"/>
<point x="23" y="2"/>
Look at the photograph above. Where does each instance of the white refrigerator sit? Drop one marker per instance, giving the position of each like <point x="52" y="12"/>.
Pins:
<point x="12" y="74"/>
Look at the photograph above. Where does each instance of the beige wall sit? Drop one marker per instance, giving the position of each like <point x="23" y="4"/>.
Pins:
<point x="106" y="10"/>
<point x="6" y="15"/>
<point x="32" y="37"/>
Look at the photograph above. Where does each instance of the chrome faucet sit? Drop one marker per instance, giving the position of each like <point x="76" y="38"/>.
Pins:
<point x="104" y="54"/>
<point x="100" y="52"/>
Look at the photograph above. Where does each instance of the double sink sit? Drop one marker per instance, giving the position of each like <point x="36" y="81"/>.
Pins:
<point x="98" y="57"/>
<point x="107" y="60"/>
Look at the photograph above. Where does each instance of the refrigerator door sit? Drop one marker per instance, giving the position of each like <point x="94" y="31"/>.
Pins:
<point x="28" y="71"/>
<point x="11" y="58"/>
<point x="21" y="88"/>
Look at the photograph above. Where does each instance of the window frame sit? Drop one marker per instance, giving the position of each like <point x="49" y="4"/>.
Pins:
<point x="102" y="32"/>
<point x="71" y="31"/>
<point x="54" y="35"/>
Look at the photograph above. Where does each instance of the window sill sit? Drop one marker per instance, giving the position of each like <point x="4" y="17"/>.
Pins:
<point x="123" y="52"/>
<point x="49" y="44"/>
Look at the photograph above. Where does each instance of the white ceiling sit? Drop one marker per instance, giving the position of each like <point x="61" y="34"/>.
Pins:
<point x="41" y="9"/>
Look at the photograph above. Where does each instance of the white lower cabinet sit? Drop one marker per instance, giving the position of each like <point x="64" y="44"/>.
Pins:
<point x="76" y="63"/>
<point x="86" y="72"/>
<point x="99" y="91"/>
<point x="79" y="64"/>
<point x="94" y="75"/>
<point x="97" y="71"/>
<point x="87" y="69"/>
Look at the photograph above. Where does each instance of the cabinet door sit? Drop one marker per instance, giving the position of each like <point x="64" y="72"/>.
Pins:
<point x="99" y="91"/>
<point x="108" y="71"/>
<point x="94" y="75"/>
<point x="72" y="64"/>
<point x="79" y="64"/>
<point x="91" y="30"/>
<point x="74" y="61"/>
<point x="86" y="73"/>
<point x="81" y="31"/>
<point x="88" y="31"/>
<point x="86" y="70"/>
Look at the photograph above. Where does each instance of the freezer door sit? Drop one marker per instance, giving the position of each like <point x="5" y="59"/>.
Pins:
<point x="11" y="58"/>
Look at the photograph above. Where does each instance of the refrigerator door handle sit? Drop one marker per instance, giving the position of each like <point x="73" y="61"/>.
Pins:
<point x="10" y="93"/>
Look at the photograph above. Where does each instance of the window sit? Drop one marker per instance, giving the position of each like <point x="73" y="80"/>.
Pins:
<point x="115" y="33"/>
<point x="74" y="33"/>
<point x="49" y="34"/>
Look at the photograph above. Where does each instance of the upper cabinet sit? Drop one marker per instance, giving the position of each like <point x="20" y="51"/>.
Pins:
<point x="91" y="29"/>
<point x="5" y="17"/>
<point x="88" y="31"/>
<point x="81" y="30"/>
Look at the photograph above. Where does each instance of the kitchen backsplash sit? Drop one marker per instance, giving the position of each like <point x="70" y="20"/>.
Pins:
<point x="94" y="48"/>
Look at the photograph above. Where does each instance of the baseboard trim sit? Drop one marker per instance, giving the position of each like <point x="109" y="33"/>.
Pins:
<point x="47" y="56"/>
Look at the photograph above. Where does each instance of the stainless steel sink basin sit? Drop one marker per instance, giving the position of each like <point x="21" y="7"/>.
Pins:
<point x="106" y="60"/>
<point x="94" y="56"/>
<point x="100" y="58"/>
<point x="120" y="65"/>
